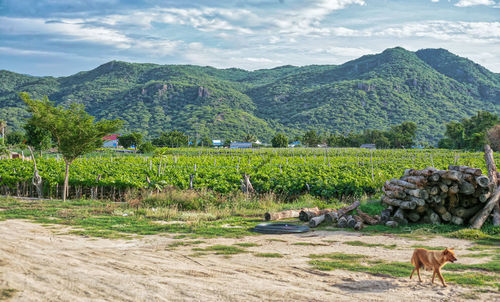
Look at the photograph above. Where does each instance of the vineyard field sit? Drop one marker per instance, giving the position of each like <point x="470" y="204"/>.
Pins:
<point x="322" y="172"/>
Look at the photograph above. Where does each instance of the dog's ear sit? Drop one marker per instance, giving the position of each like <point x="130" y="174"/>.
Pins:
<point x="445" y="251"/>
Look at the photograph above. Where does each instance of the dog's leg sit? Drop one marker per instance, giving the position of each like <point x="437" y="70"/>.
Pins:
<point x="418" y="273"/>
<point x="433" y="276"/>
<point x="411" y="275"/>
<point x="441" y="278"/>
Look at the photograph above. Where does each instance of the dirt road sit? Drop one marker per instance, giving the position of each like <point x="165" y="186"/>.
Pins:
<point x="46" y="266"/>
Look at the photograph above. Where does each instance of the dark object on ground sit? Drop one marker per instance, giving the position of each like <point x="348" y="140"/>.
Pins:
<point x="280" y="228"/>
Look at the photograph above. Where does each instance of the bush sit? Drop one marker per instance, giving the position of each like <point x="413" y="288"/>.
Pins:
<point x="147" y="147"/>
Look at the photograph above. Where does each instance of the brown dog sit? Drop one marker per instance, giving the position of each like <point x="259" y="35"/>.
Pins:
<point x="431" y="260"/>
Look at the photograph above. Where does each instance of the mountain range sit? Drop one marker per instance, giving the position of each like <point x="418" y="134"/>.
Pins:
<point x="429" y="87"/>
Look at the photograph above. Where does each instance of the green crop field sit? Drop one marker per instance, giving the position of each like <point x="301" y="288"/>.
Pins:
<point x="321" y="172"/>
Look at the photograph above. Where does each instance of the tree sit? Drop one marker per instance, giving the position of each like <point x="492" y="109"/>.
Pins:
<point x="171" y="139"/>
<point x="15" y="138"/>
<point x="131" y="139"/>
<point x="75" y="132"/>
<point x="493" y="136"/>
<point x="402" y="135"/>
<point x="469" y="133"/>
<point x="311" y="139"/>
<point x="146" y="147"/>
<point x="279" y="141"/>
<point x="205" y="142"/>
<point x="227" y="142"/>
<point x="36" y="137"/>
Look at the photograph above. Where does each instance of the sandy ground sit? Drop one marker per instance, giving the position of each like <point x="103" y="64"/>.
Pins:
<point x="46" y="266"/>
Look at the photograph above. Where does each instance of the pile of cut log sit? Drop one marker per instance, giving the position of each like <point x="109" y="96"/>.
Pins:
<point x="435" y="196"/>
<point x="339" y="218"/>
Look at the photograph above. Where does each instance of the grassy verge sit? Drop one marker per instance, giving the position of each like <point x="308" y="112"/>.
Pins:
<point x="233" y="218"/>
<point x="473" y="274"/>
<point x="268" y="255"/>
<point x="360" y="243"/>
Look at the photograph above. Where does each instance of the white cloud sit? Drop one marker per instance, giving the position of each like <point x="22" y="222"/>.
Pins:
<point x="66" y="30"/>
<point x="475" y="32"/>
<point x="467" y="3"/>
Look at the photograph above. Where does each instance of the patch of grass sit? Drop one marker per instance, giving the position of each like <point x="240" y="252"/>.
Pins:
<point x="479" y="248"/>
<point x="184" y="243"/>
<point x="268" y="255"/>
<point x="432" y="248"/>
<point x="310" y="244"/>
<point x="7" y="293"/>
<point x="339" y="256"/>
<point x="360" y="243"/>
<point x="361" y="263"/>
<point x="222" y="249"/>
<point x="491" y="266"/>
<point x="478" y="255"/>
<point x="247" y="244"/>
<point x="470" y="279"/>
<point x="372" y="207"/>
<point x="198" y="254"/>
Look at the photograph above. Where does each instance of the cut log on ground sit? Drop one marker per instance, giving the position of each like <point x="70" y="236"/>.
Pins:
<point x="286" y="214"/>
<point x="315" y="221"/>
<point x="367" y="218"/>
<point x="343" y="211"/>
<point x="493" y="177"/>
<point x="478" y="220"/>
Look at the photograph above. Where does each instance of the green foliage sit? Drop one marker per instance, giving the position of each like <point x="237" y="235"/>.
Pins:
<point x="372" y="92"/>
<point x="399" y="136"/>
<point x="311" y="139"/>
<point x="74" y="131"/>
<point x="469" y="133"/>
<point x="39" y="138"/>
<point x="131" y="139"/>
<point x="205" y="142"/>
<point x="171" y="139"/>
<point x="146" y="147"/>
<point x="279" y="141"/>
<point x="14" y="138"/>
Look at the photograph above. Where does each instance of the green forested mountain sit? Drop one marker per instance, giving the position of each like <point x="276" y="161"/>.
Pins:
<point x="430" y="87"/>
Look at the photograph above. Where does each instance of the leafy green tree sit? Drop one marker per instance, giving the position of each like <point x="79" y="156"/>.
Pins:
<point x="279" y="141"/>
<point x="469" y="133"/>
<point x="403" y="135"/>
<point x="171" y="139"/>
<point x="74" y="131"/>
<point x="311" y="139"/>
<point x="131" y="139"/>
<point x="227" y="142"/>
<point x="205" y="142"/>
<point x="38" y="138"/>
<point x="146" y="147"/>
<point x="15" y="138"/>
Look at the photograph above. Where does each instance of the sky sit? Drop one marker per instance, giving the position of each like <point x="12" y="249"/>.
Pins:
<point x="60" y="38"/>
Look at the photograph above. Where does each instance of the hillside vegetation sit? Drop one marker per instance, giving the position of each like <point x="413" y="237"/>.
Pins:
<point x="429" y="87"/>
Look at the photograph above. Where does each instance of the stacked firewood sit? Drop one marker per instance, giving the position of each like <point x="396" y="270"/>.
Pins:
<point x="339" y="218"/>
<point x="435" y="196"/>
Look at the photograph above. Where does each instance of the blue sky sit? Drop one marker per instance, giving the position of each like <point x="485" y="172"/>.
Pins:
<point x="56" y="37"/>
